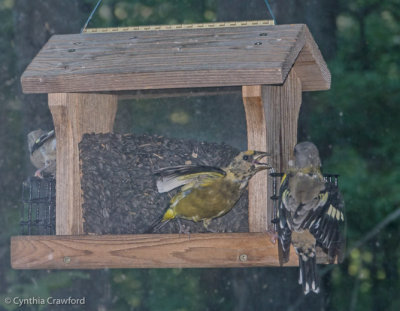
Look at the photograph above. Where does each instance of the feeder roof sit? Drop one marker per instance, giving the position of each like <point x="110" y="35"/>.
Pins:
<point x="179" y="58"/>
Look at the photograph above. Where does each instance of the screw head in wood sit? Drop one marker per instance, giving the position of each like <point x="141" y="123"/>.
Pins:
<point x="258" y="43"/>
<point x="67" y="259"/>
<point x="243" y="257"/>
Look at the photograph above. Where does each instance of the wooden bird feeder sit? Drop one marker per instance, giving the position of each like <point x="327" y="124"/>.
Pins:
<point x="85" y="74"/>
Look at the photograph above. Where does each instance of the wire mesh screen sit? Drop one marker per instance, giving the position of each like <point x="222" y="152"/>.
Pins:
<point x="38" y="215"/>
<point x="332" y="178"/>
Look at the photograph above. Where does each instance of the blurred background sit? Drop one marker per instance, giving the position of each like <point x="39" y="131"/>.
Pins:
<point x="355" y="125"/>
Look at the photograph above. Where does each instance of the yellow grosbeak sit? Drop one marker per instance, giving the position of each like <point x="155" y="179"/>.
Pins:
<point x="310" y="213"/>
<point x="208" y="192"/>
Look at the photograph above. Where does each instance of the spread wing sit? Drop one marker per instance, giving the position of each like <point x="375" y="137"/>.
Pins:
<point x="284" y="232"/>
<point x="329" y="223"/>
<point x="324" y="218"/>
<point x="173" y="177"/>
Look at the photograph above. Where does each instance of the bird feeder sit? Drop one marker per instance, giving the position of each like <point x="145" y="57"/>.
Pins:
<point x="85" y="74"/>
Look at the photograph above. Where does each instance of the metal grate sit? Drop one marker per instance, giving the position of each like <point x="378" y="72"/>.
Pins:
<point x="38" y="215"/>
<point x="332" y="178"/>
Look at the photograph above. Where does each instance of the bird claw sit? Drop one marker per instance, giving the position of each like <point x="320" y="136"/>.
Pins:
<point x="273" y="235"/>
<point x="183" y="229"/>
<point x="39" y="174"/>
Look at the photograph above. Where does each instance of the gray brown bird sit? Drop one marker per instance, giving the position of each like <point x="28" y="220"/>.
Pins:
<point x="43" y="151"/>
<point x="310" y="214"/>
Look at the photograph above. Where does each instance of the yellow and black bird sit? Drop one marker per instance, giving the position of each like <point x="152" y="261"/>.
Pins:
<point x="207" y="192"/>
<point x="310" y="214"/>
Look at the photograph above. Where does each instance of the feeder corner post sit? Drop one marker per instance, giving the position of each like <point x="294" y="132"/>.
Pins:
<point x="271" y="113"/>
<point x="75" y="114"/>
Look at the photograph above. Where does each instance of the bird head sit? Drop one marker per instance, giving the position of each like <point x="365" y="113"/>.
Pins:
<point x="33" y="137"/>
<point x="306" y="155"/>
<point x="246" y="164"/>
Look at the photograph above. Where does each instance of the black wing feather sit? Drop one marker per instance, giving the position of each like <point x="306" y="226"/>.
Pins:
<point x="187" y="170"/>
<point x="329" y="224"/>
<point x="284" y="232"/>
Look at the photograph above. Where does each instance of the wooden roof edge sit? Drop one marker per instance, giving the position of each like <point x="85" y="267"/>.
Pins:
<point x="310" y="65"/>
<point x="304" y="58"/>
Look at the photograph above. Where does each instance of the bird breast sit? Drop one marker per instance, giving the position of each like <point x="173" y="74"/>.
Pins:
<point x="304" y="188"/>
<point x="210" y="201"/>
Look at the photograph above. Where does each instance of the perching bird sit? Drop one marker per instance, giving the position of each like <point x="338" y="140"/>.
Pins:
<point x="42" y="149"/>
<point x="310" y="214"/>
<point x="207" y="192"/>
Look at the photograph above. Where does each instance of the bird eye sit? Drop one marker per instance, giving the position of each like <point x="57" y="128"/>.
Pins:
<point x="245" y="157"/>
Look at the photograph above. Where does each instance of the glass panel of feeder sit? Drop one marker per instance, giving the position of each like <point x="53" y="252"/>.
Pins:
<point x="154" y="130"/>
<point x="203" y="114"/>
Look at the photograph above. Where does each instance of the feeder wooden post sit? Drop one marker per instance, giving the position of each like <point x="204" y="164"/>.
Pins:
<point x="75" y="114"/>
<point x="271" y="115"/>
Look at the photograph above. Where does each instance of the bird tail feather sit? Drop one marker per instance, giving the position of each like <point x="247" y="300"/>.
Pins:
<point x="308" y="277"/>
<point x="157" y="225"/>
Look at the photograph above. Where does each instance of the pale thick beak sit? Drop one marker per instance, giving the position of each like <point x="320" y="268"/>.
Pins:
<point x="260" y="160"/>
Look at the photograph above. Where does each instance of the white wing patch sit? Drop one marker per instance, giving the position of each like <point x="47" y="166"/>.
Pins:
<point x="166" y="184"/>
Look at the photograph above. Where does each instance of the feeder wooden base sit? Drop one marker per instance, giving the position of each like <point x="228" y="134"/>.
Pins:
<point x="203" y="250"/>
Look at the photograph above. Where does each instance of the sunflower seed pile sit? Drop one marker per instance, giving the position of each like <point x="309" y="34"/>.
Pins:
<point x="119" y="187"/>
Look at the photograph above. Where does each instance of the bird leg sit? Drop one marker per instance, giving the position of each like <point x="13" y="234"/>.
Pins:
<point x="182" y="228"/>
<point x="273" y="235"/>
<point x="206" y="223"/>
<point x="38" y="172"/>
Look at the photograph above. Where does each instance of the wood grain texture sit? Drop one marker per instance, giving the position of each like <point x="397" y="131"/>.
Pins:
<point x="272" y="114"/>
<point x="183" y="92"/>
<point x="282" y="107"/>
<point x="73" y="115"/>
<point x="144" y="251"/>
<point x="256" y="140"/>
<point x="310" y="66"/>
<point x="231" y="56"/>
